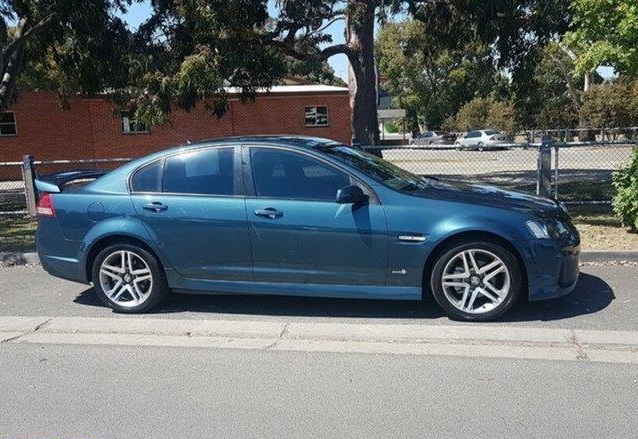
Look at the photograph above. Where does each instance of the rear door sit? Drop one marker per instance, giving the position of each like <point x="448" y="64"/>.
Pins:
<point x="192" y="205"/>
<point x="472" y="138"/>
<point x="299" y="234"/>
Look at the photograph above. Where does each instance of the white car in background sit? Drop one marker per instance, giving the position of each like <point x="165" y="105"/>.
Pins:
<point x="481" y="140"/>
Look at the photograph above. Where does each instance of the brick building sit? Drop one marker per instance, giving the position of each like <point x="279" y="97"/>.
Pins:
<point x="91" y="129"/>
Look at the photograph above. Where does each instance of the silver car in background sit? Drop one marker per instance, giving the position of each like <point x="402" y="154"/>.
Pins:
<point x="481" y="140"/>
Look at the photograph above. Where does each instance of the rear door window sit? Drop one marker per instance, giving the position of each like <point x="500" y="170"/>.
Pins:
<point x="205" y="172"/>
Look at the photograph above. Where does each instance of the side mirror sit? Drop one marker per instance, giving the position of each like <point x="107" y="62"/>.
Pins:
<point x="351" y="195"/>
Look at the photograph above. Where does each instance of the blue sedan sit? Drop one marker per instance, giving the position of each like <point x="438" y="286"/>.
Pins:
<point x="301" y="216"/>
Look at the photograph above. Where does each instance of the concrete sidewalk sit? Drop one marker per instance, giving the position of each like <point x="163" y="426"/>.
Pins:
<point x="466" y="341"/>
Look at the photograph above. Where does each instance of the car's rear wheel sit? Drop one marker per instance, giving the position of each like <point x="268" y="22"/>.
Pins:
<point x="128" y="278"/>
<point x="481" y="146"/>
<point x="476" y="280"/>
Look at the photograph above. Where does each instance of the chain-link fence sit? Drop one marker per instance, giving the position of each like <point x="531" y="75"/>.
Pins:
<point x="12" y="197"/>
<point x="580" y="171"/>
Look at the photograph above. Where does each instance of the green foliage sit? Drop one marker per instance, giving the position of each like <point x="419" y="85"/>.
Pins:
<point x="556" y="113"/>
<point x="429" y="79"/>
<point x="625" y="183"/>
<point x="605" y="32"/>
<point x="65" y="45"/>
<point x="481" y="113"/>
<point x="611" y="105"/>
<point x="554" y="95"/>
<point x="391" y="127"/>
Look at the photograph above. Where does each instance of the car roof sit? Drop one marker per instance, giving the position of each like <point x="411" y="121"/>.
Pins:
<point x="301" y="141"/>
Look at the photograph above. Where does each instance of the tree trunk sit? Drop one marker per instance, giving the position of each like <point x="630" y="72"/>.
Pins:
<point x="362" y="78"/>
<point x="11" y="69"/>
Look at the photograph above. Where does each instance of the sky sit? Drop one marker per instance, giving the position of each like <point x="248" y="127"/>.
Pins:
<point x="139" y="12"/>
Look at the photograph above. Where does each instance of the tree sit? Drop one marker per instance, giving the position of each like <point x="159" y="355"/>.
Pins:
<point x="481" y="113"/>
<point x="611" y="105"/>
<point x="195" y="47"/>
<point x="605" y="32"/>
<point x="429" y="79"/>
<point x="556" y="92"/>
<point x="77" y="44"/>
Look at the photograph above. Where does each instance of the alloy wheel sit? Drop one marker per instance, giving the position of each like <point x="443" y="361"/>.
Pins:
<point x="476" y="281"/>
<point x="125" y="278"/>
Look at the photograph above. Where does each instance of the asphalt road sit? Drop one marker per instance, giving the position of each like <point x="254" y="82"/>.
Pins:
<point x="70" y="391"/>
<point x="606" y="298"/>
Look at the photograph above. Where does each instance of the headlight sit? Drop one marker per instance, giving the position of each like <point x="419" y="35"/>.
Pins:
<point x="538" y="229"/>
<point x="547" y="228"/>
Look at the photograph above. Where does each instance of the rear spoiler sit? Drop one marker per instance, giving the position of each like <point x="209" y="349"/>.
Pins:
<point x="54" y="183"/>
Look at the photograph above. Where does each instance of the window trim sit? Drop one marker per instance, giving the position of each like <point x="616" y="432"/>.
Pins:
<point x="249" y="184"/>
<point x="315" y="125"/>
<point x="14" y="123"/>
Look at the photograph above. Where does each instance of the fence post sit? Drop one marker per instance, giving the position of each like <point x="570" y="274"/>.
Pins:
<point x="28" y="175"/>
<point x="544" y="180"/>
<point x="556" y="148"/>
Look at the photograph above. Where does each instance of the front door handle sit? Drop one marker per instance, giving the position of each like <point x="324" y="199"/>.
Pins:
<point x="155" y="206"/>
<point x="269" y="212"/>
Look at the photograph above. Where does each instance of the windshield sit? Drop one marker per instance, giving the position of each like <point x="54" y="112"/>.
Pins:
<point x="378" y="169"/>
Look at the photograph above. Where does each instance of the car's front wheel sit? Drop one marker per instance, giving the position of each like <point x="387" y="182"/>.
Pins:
<point x="128" y="278"/>
<point x="476" y="280"/>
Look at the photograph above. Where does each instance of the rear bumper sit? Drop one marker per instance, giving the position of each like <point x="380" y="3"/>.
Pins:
<point x="58" y="255"/>
<point x="65" y="268"/>
<point x="552" y="268"/>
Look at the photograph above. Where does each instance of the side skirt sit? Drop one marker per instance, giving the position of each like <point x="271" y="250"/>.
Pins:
<point x="191" y="286"/>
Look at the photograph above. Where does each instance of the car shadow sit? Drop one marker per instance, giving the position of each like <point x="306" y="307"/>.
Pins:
<point x="591" y="295"/>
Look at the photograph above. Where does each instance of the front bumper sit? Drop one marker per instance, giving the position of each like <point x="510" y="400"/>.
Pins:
<point x="552" y="267"/>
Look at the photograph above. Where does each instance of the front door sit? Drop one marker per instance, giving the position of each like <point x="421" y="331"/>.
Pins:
<point x="195" y="216"/>
<point x="299" y="234"/>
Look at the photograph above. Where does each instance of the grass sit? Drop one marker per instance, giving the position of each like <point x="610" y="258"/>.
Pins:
<point x="599" y="229"/>
<point x="17" y="233"/>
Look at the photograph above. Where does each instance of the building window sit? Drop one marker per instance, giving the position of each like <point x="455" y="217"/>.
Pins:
<point x="317" y="116"/>
<point x="8" y="125"/>
<point x="131" y="126"/>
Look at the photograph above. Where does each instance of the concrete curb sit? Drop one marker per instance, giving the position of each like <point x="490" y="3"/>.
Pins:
<point x="11" y="259"/>
<point x="469" y="340"/>
<point x="609" y="256"/>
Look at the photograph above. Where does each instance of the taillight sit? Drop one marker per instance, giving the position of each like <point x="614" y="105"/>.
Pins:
<point x="45" y="206"/>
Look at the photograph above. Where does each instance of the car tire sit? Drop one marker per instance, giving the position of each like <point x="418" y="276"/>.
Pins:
<point x="128" y="279"/>
<point x="476" y="280"/>
<point x="480" y="146"/>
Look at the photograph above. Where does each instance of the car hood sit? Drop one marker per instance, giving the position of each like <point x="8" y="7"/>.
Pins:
<point x="493" y="197"/>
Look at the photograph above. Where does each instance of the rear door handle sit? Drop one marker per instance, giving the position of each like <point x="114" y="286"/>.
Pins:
<point x="269" y="212"/>
<point x="155" y="206"/>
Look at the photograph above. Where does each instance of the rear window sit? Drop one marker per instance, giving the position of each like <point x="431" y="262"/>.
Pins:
<point x="147" y="179"/>
<point x="490" y="132"/>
